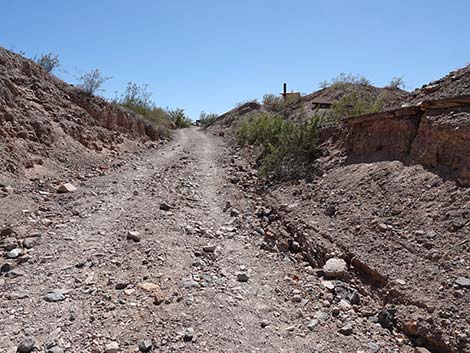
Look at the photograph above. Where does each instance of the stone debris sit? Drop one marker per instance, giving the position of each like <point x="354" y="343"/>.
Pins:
<point x="66" y="188"/>
<point x="242" y="277"/>
<point x="463" y="282"/>
<point x="145" y="346"/>
<point x="209" y="248"/>
<point x="112" y="347"/>
<point x="134" y="236"/>
<point x="26" y="346"/>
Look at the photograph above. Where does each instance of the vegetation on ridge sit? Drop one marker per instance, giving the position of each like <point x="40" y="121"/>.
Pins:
<point x="289" y="149"/>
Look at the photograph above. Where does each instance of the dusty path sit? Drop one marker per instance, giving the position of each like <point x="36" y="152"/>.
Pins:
<point x="112" y="286"/>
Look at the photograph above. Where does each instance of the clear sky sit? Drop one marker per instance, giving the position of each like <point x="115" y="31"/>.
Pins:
<point x="210" y="54"/>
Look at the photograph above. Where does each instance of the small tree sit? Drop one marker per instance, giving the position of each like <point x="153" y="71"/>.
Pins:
<point x="92" y="81"/>
<point x="207" y="119"/>
<point x="48" y="61"/>
<point x="179" y="118"/>
<point x="396" y="83"/>
<point x="137" y="98"/>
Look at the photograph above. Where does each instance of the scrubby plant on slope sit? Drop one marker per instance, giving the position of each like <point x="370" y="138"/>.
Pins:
<point x="206" y="119"/>
<point x="91" y="81"/>
<point x="290" y="149"/>
<point x="48" y="61"/>
<point x="179" y="118"/>
<point x="276" y="103"/>
<point x="137" y="98"/>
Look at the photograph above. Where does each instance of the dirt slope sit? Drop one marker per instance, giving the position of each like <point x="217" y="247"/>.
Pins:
<point x="456" y="83"/>
<point x="47" y="125"/>
<point x="168" y="287"/>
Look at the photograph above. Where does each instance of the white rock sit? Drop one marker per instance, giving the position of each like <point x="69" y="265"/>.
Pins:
<point x="335" y="268"/>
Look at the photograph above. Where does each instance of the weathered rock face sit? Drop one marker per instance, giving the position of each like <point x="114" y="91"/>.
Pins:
<point x="42" y="116"/>
<point x="437" y="138"/>
<point x="443" y="143"/>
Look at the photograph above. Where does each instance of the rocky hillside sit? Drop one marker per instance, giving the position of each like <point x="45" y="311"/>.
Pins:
<point x="456" y="83"/>
<point x="47" y="125"/>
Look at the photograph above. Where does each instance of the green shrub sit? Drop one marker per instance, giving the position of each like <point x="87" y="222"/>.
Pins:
<point x="355" y="103"/>
<point x="137" y="99"/>
<point x="290" y="149"/>
<point x="344" y="79"/>
<point x="207" y="119"/>
<point x="276" y="103"/>
<point x="178" y="117"/>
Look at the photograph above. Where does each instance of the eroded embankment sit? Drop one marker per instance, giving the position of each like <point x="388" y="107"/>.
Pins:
<point x="435" y="134"/>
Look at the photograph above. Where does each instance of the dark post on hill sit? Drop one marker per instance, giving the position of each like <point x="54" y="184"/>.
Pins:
<point x="286" y="95"/>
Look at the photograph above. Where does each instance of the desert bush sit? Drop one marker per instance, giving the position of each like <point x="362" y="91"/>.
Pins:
<point x="276" y="103"/>
<point x="290" y="149"/>
<point x="206" y="119"/>
<point x="344" y="79"/>
<point x="355" y="103"/>
<point x="92" y="81"/>
<point x="396" y="83"/>
<point x="179" y="118"/>
<point x="137" y="99"/>
<point x="48" y="61"/>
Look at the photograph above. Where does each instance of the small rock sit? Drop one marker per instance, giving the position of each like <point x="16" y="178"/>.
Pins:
<point x="6" y="267"/>
<point x="188" y="334"/>
<point x="335" y="268"/>
<point x="382" y="227"/>
<point x="209" y="248"/>
<point x="234" y="212"/>
<point x="6" y="232"/>
<point x="9" y="243"/>
<point x="66" y="187"/>
<point x="330" y="210"/>
<point x="54" y="296"/>
<point x="112" y="347"/>
<point x="373" y="347"/>
<point x="264" y="323"/>
<point x="311" y="325"/>
<point x="421" y="350"/>
<point x="121" y="285"/>
<point x="55" y="349"/>
<point x="145" y="346"/>
<point x="463" y="282"/>
<point x="134" y="236"/>
<point x="13" y="254"/>
<point x="29" y="243"/>
<point x="297" y="298"/>
<point x="346" y="330"/>
<point x="242" y="277"/>
<point x="164" y="206"/>
<point x="189" y="283"/>
<point x="26" y="346"/>
<point x="8" y="189"/>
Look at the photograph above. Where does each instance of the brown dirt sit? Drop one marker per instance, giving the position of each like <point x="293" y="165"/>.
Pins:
<point x="84" y="251"/>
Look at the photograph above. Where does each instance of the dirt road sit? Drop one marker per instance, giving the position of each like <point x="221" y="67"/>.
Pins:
<point x="191" y="278"/>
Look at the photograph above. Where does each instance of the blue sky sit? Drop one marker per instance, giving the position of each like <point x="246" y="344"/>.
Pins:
<point x="210" y="54"/>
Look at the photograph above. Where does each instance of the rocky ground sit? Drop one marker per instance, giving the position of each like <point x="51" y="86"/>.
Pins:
<point x="170" y="250"/>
